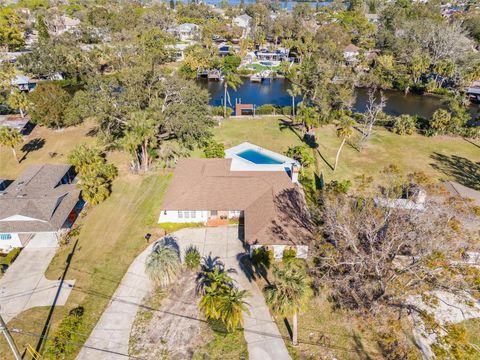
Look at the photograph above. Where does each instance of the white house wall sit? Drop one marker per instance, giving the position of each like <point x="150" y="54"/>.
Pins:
<point x="13" y="242"/>
<point x="172" y="216"/>
<point x="302" y="250"/>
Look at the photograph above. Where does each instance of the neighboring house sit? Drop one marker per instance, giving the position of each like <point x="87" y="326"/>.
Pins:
<point x="415" y="201"/>
<point x="41" y="200"/>
<point x="351" y="52"/>
<point x="62" y="24"/>
<point x="23" y="83"/>
<point x="186" y="32"/>
<point x="15" y="121"/>
<point x="179" y="50"/>
<point x="373" y="18"/>
<point x="252" y="185"/>
<point x="245" y="22"/>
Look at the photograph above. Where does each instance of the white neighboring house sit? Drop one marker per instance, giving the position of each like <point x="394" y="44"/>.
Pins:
<point x="179" y="50"/>
<point x="351" y="52"/>
<point x="41" y="200"/>
<point x="245" y="22"/>
<point x="62" y="24"/>
<point x="256" y="186"/>
<point x="186" y="32"/>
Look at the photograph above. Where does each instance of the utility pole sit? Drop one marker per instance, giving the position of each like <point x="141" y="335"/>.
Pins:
<point x="10" y="341"/>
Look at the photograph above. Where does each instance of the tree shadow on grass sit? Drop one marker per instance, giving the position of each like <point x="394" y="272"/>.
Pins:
<point x="32" y="145"/>
<point x="307" y="139"/>
<point x="462" y="170"/>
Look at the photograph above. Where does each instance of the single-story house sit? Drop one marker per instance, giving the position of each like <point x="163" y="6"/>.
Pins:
<point x="243" y="21"/>
<point x="186" y="31"/>
<point x="62" y="24"/>
<point x="42" y="199"/>
<point x="15" y="121"/>
<point x="252" y="184"/>
<point x="23" y="83"/>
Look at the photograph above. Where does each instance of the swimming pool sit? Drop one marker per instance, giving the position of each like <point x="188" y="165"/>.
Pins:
<point x="257" y="157"/>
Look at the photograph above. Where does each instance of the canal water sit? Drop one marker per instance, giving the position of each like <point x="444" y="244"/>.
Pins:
<point x="274" y="91"/>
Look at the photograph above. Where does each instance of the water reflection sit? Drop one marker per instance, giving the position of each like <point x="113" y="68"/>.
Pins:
<point x="275" y="92"/>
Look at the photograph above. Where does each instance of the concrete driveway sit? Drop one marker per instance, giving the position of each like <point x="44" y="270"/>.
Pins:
<point x="109" y="340"/>
<point x="24" y="285"/>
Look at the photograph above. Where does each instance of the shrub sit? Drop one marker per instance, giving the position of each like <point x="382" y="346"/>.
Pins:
<point x="302" y="154"/>
<point x="262" y="257"/>
<point x="404" y="125"/>
<point x="287" y="110"/>
<point x="339" y="187"/>
<point x="63" y="343"/>
<point x="10" y="257"/>
<point x="218" y="111"/>
<point x="266" y="109"/>
<point x="192" y="258"/>
<point x="214" y="150"/>
<point x="289" y="255"/>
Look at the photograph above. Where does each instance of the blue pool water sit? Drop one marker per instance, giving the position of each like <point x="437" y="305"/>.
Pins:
<point x="258" y="158"/>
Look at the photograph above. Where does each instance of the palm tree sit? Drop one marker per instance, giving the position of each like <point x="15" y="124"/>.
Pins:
<point x="309" y="116"/>
<point x="231" y="306"/>
<point x="344" y="131"/>
<point x="18" y="100"/>
<point x="294" y="91"/>
<point x="10" y="137"/>
<point x="289" y="294"/>
<point x="163" y="263"/>
<point x="232" y="80"/>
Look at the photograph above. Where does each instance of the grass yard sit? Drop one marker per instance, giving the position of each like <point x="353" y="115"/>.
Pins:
<point x="473" y="331"/>
<point x="442" y="157"/>
<point x="43" y="145"/>
<point x="219" y="344"/>
<point x="111" y="236"/>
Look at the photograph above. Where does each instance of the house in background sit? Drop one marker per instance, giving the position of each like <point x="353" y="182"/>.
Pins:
<point x="351" y="52"/>
<point x="254" y="185"/>
<point x="42" y="200"/>
<point x="186" y="32"/>
<point x="62" y="24"/>
<point x="245" y="23"/>
<point x="16" y="121"/>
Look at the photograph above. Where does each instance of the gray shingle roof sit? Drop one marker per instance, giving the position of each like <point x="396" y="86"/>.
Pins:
<point x="36" y="201"/>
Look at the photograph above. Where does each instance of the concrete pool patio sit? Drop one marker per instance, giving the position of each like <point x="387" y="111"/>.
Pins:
<point x="112" y="332"/>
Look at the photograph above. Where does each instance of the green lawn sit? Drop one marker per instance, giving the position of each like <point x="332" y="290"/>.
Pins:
<point x="111" y="236"/>
<point x="442" y="157"/>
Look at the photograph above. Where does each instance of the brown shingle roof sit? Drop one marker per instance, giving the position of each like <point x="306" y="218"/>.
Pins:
<point x="38" y="194"/>
<point x="264" y="196"/>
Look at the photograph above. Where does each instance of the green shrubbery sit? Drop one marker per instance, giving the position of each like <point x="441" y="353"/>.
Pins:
<point x="289" y="255"/>
<point x="62" y="344"/>
<point x="404" y="125"/>
<point x="266" y="109"/>
<point x="214" y="150"/>
<point x="262" y="257"/>
<point x="192" y="258"/>
<point x="218" y="111"/>
<point x="10" y="257"/>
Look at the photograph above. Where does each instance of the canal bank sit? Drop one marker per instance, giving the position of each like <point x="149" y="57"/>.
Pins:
<point x="274" y="91"/>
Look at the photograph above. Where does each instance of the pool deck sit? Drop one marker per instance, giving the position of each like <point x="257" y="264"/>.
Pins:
<point x="241" y="164"/>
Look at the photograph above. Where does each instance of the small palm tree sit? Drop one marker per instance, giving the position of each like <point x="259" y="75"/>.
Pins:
<point x="289" y="294"/>
<point x="10" y="137"/>
<point x="232" y="80"/>
<point x="232" y="305"/>
<point x="293" y="92"/>
<point x="344" y="131"/>
<point x="163" y="263"/>
<point x="18" y="100"/>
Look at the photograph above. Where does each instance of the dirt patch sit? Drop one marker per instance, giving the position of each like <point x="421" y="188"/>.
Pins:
<point x="168" y="324"/>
